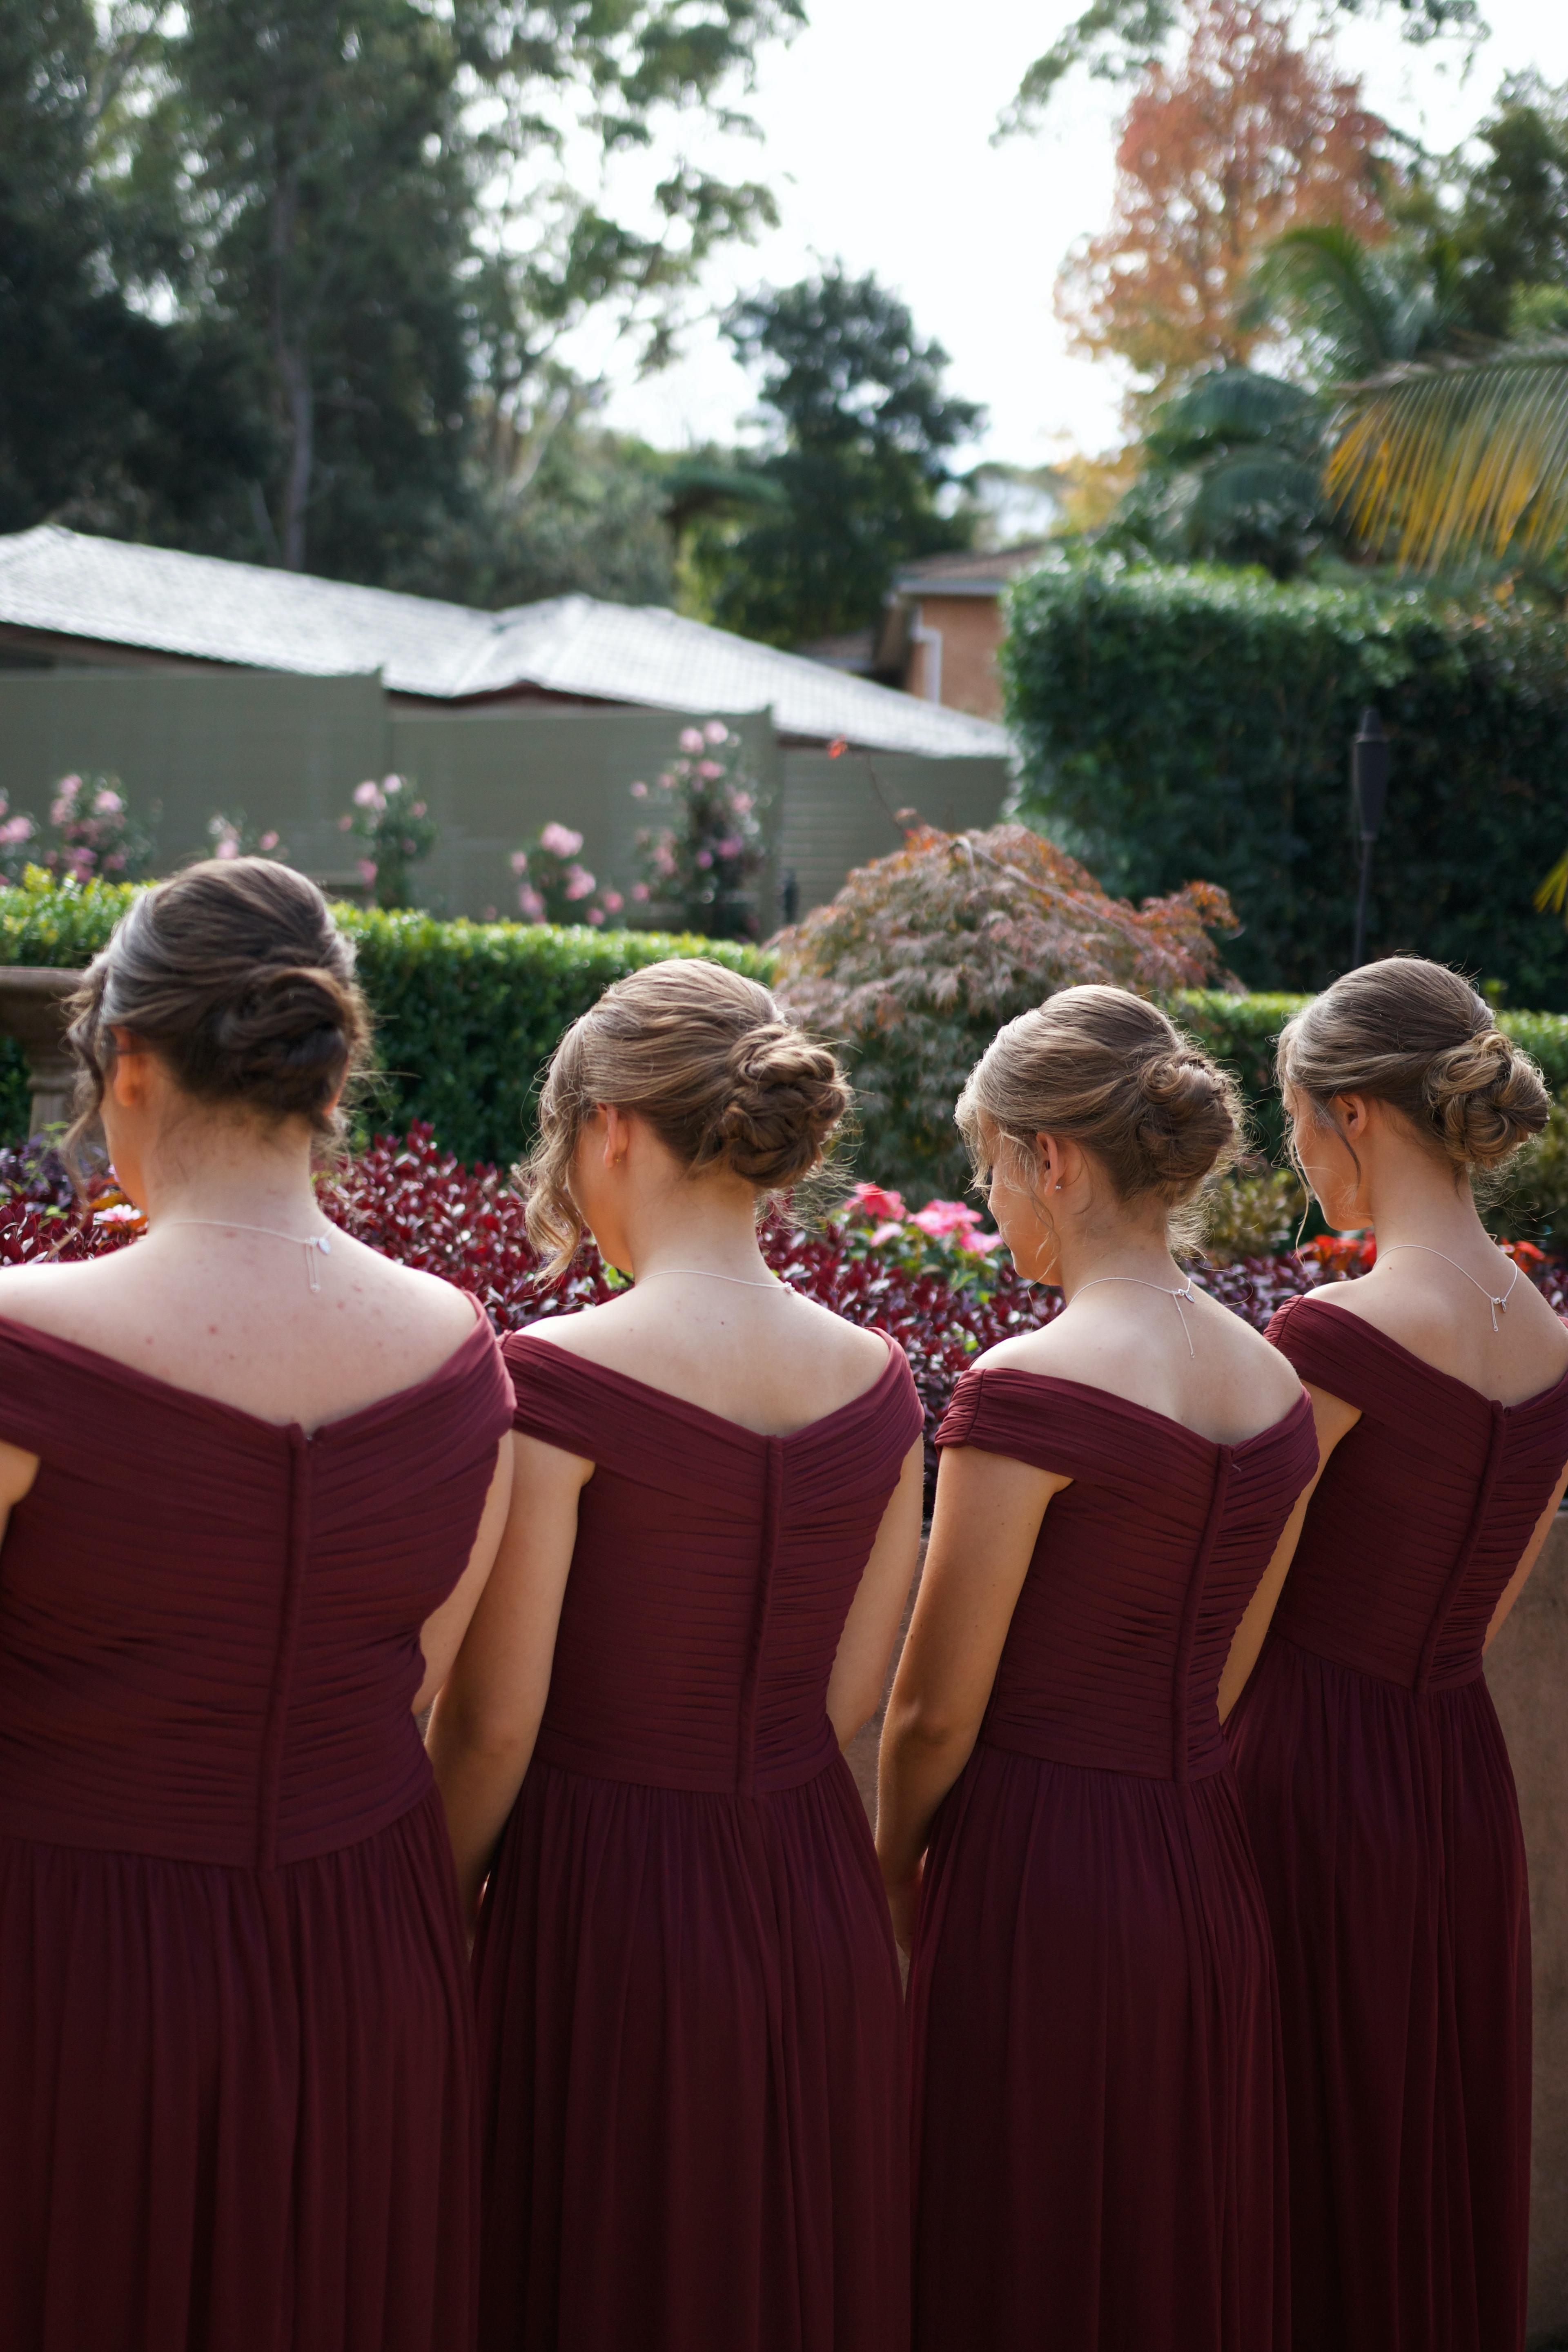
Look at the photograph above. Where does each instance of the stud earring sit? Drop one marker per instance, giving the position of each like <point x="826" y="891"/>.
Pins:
<point x="1058" y="1184"/>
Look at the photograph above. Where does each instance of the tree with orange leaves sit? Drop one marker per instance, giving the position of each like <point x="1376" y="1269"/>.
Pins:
<point x="1249" y="135"/>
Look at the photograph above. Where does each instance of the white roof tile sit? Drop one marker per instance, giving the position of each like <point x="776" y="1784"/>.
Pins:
<point x="160" y="600"/>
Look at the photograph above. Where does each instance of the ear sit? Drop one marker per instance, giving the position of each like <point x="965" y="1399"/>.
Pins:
<point x="617" y="1135"/>
<point x="129" y="1078"/>
<point x="1051" y="1162"/>
<point x="1353" y="1113"/>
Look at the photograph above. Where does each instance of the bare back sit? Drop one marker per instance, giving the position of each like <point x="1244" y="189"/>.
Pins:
<point x="231" y="1317"/>
<point x="761" y="1356"/>
<point x="1427" y="1306"/>
<point x="1126" y="1338"/>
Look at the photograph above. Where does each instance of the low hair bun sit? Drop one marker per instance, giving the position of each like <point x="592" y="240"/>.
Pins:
<point x="1188" y="1121"/>
<point x="1486" y="1099"/>
<point x="701" y="1053"/>
<point x="1415" y="1036"/>
<point x="237" y="977"/>
<point x="786" y="1097"/>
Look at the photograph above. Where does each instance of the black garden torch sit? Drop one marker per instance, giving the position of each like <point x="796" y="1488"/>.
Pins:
<point x="1369" y="793"/>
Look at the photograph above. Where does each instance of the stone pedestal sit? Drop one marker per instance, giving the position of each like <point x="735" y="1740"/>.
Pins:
<point x="32" y="1009"/>
<point x="1527" y="1669"/>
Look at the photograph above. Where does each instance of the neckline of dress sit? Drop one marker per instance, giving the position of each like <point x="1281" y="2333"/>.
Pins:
<point x="1345" y="1314"/>
<point x="1149" y="1412"/>
<point x="705" y="1412"/>
<point x="199" y="1403"/>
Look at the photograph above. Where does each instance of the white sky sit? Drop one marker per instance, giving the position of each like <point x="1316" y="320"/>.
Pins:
<point x="877" y="122"/>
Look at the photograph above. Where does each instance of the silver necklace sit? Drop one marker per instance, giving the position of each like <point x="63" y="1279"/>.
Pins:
<point x="744" y="1281"/>
<point x="314" y="1245"/>
<point x="1177" y="1297"/>
<point x="1498" y="1305"/>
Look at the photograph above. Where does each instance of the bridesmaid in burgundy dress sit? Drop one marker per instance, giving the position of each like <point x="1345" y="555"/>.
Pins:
<point x="1372" y="1766"/>
<point x="691" y="2040"/>
<point x="1098" y="2124"/>
<point x="251" y="1479"/>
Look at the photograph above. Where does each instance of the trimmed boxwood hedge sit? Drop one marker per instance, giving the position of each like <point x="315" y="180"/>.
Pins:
<point x="1181" y="723"/>
<point x="466" y="1012"/>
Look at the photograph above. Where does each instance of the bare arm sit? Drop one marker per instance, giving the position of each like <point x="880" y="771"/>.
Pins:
<point x="860" y="1668"/>
<point x="984" y="1532"/>
<point x="1333" y="1419"/>
<point x="17" y="1472"/>
<point x="486" y="1717"/>
<point x="1518" y="1581"/>
<point x="443" y="1631"/>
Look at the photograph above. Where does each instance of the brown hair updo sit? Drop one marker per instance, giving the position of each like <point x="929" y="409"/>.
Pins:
<point x="1109" y="1070"/>
<point x="701" y="1053"/>
<point x="1416" y="1036"/>
<point x="237" y="977"/>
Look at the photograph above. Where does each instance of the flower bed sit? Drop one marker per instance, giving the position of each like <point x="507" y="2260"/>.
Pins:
<point x="934" y="1280"/>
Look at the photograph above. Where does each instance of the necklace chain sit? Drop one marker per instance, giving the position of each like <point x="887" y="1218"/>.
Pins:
<point x="314" y="1245"/>
<point x="744" y="1281"/>
<point x="1176" y="1297"/>
<point x="1498" y="1303"/>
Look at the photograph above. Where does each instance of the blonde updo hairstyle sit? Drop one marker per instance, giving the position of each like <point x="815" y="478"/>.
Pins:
<point x="1416" y="1036"/>
<point x="1107" y="1070"/>
<point x="237" y="977"/>
<point x="703" y="1056"/>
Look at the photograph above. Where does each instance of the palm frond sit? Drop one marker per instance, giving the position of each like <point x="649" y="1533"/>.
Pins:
<point x="1553" y="894"/>
<point x="1458" y="457"/>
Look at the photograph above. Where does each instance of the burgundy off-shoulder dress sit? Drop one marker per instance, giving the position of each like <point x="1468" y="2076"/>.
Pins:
<point x="695" y="2106"/>
<point x="237" y="2091"/>
<point x="1099" y="2120"/>
<point x="1382" y="1814"/>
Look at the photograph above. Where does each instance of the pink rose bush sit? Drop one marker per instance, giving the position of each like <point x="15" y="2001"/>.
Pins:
<point x="702" y="854"/>
<point x="232" y="836"/>
<point x="96" y="834"/>
<point x="397" y="832"/>
<point x="554" y="887"/>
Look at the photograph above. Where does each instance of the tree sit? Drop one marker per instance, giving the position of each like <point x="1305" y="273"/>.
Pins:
<point x="1233" y="473"/>
<point x="860" y="449"/>
<point x="1247" y="138"/>
<point x="360" y="203"/>
<point x="923" y="954"/>
<point x="106" y="417"/>
<point x="1118" y="40"/>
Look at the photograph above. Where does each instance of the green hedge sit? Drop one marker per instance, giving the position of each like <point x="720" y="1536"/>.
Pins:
<point x="466" y="1012"/>
<point x="1181" y="724"/>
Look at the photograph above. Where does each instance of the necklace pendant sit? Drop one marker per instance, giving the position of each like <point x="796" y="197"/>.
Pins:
<point x="324" y="1244"/>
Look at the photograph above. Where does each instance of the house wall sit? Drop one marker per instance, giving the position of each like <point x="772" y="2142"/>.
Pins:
<point x="971" y="632"/>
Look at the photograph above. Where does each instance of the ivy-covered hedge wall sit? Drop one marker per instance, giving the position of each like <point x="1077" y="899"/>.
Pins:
<point x="1181" y="723"/>
<point x="466" y="1012"/>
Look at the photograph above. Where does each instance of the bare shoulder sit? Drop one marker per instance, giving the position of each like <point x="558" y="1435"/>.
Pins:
<point x="1068" y="1347"/>
<point x="853" y="1344"/>
<point x="426" y="1304"/>
<point x="593" y="1332"/>
<point x="62" y="1301"/>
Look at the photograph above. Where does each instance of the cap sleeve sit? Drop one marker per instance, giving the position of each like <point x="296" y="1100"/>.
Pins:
<point x="1331" y="1349"/>
<point x="554" y="1397"/>
<point x="41" y="1395"/>
<point x="1050" y="1424"/>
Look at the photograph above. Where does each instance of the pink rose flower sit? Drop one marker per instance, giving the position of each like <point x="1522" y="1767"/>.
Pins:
<point x="880" y="1233"/>
<point x="614" y="902"/>
<point x="940" y="1218"/>
<point x="109" y="804"/>
<point x="345" y="825"/>
<point x="640" y="892"/>
<point x="705" y="858"/>
<point x="879" y="1200"/>
<point x="741" y="804"/>
<point x="269" y="843"/>
<point x="390" y="784"/>
<point x="519" y="861"/>
<point x="639" y="792"/>
<point x="560" y="840"/>
<point x="368" y="796"/>
<point x="367" y="871"/>
<point x="532" y="904"/>
<point x="693" y="740"/>
<point x="595" y="916"/>
<point x="227" y="848"/>
<point x="716" y="731"/>
<point x="710" y="769"/>
<point x="580" y="883"/>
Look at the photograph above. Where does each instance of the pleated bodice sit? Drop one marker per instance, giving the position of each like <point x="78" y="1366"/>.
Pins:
<point x="1424" y="1509"/>
<point x="713" y="1573"/>
<point x="1142" y="1570"/>
<point x="209" y="1623"/>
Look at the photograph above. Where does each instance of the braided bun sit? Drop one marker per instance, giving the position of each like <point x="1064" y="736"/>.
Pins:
<point x="701" y="1053"/>
<point x="1415" y="1036"/>
<point x="235" y="975"/>
<point x="1107" y="1070"/>
<point x="788" y="1096"/>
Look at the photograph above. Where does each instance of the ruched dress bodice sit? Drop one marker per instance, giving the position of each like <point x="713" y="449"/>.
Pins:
<point x="689" y="2010"/>
<point x="234" y="2045"/>
<point x="1437" y="1484"/>
<point x="1099" y="2142"/>
<point x="1142" y="1570"/>
<point x="713" y="1574"/>
<point x="1382" y="1814"/>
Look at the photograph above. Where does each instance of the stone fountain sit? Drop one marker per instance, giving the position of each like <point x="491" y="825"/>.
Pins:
<point x="33" y="1010"/>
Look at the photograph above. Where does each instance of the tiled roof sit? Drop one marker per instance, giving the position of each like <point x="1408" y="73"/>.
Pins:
<point x="159" y="600"/>
<point x="968" y="575"/>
